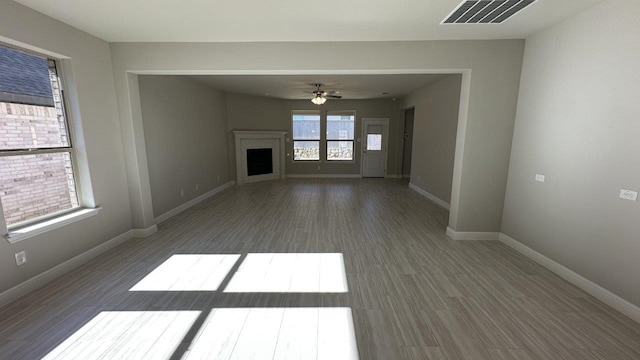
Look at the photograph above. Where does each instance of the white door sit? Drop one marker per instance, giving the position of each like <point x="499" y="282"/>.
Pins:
<point x="374" y="147"/>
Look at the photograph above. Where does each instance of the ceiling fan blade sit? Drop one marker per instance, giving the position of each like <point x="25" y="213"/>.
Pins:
<point x="333" y="96"/>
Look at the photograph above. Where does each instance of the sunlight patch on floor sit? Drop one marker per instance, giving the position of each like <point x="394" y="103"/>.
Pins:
<point x="290" y="273"/>
<point x="188" y="272"/>
<point x="127" y="335"/>
<point x="276" y="334"/>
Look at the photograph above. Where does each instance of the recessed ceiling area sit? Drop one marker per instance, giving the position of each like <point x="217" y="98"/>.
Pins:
<point x="354" y="87"/>
<point x="292" y="20"/>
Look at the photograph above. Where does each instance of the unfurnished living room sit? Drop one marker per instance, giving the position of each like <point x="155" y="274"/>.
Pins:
<point x="437" y="179"/>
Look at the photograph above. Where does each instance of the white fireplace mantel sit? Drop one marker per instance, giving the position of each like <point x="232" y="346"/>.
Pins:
<point x="256" y="139"/>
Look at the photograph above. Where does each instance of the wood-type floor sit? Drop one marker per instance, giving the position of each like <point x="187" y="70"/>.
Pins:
<point x="413" y="293"/>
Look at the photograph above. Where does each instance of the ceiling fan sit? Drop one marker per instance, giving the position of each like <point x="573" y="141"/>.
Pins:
<point x="320" y="96"/>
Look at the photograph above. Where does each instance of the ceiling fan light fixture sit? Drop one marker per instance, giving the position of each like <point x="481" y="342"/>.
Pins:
<point x="318" y="100"/>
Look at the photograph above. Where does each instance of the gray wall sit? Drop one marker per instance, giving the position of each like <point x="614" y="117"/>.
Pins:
<point x="490" y="86"/>
<point x="578" y="123"/>
<point x="247" y="112"/>
<point x="185" y="131"/>
<point x="436" y="110"/>
<point x="93" y="109"/>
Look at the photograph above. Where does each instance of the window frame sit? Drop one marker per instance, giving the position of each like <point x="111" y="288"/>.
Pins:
<point x="293" y="138"/>
<point x="352" y="140"/>
<point x="41" y="224"/>
<point x="323" y="141"/>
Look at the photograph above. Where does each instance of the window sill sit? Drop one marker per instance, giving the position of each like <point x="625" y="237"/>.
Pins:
<point x="19" y="234"/>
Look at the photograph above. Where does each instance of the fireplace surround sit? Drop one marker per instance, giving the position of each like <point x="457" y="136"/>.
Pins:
<point x="258" y="144"/>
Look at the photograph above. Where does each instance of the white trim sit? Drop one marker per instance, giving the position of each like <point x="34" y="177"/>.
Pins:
<point x="177" y="210"/>
<point x="31" y="230"/>
<point x="297" y="72"/>
<point x="463" y="235"/>
<point x="393" y="176"/>
<point x="142" y="233"/>
<point x="44" y="278"/>
<point x="429" y="196"/>
<point x="406" y="176"/>
<point x="463" y="114"/>
<point x="245" y="140"/>
<point x="597" y="291"/>
<point x="324" y="176"/>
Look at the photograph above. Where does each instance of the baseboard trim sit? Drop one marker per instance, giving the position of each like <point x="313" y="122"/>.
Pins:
<point x="406" y="176"/>
<point x="142" y="233"/>
<point x="393" y="176"/>
<point x="430" y="196"/>
<point x="465" y="235"/>
<point x="46" y="277"/>
<point x="324" y="176"/>
<point x="177" y="210"/>
<point x="630" y="310"/>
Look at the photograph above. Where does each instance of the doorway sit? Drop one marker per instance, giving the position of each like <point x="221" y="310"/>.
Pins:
<point x="374" y="148"/>
<point x="407" y="144"/>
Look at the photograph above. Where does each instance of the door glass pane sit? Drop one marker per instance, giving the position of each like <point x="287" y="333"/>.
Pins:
<point x="374" y="141"/>
<point x="306" y="150"/>
<point x="339" y="150"/>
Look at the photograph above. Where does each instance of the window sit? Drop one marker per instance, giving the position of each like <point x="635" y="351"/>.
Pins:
<point x="340" y="129"/>
<point x="374" y="141"/>
<point x="306" y="135"/>
<point x="36" y="154"/>
<point x="338" y="142"/>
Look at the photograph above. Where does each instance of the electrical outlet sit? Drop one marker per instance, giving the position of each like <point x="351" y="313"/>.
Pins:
<point x="21" y="258"/>
<point x="197" y="187"/>
<point x="318" y="167"/>
<point x="218" y="177"/>
<point x="181" y="192"/>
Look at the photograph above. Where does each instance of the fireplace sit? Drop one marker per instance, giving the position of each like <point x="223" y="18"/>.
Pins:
<point x="259" y="161"/>
<point x="260" y="155"/>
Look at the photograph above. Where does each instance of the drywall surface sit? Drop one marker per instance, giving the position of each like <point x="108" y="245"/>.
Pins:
<point x="578" y="123"/>
<point x="185" y="130"/>
<point x="436" y="110"/>
<point x="246" y="112"/>
<point x="490" y="85"/>
<point x="93" y="110"/>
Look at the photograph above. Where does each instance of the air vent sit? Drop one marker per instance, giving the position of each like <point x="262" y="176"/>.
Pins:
<point x="486" y="11"/>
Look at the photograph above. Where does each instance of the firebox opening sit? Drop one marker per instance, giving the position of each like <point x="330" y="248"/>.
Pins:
<point x="259" y="162"/>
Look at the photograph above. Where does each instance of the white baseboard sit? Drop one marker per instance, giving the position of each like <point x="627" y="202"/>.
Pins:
<point x="393" y="176"/>
<point x="465" y="235"/>
<point x="406" y="176"/>
<point x="177" y="210"/>
<point x="597" y="291"/>
<point x="44" y="278"/>
<point x="429" y="196"/>
<point x="324" y="176"/>
<point x="142" y="233"/>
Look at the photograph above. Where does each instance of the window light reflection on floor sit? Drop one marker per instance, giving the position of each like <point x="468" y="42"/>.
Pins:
<point x="290" y="273"/>
<point x="276" y="333"/>
<point x="188" y="272"/>
<point x="127" y="335"/>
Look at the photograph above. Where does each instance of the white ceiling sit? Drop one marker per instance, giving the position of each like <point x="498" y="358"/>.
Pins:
<point x="291" y="20"/>
<point x="296" y="20"/>
<point x="294" y="86"/>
